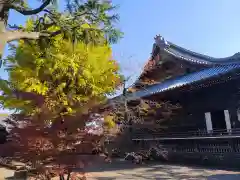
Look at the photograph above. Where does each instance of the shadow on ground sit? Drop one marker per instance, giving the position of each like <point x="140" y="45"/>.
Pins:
<point x="128" y="171"/>
<point x="119" y="170"/>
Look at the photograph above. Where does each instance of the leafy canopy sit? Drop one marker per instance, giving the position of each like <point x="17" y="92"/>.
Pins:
<point x="89" y="21"/>
<point x="67" y="76"/>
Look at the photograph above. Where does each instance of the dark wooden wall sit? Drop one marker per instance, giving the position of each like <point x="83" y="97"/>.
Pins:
<point x="195" y="103"/>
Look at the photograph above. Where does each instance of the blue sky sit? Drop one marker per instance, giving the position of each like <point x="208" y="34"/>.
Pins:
<point x="211" y="27"/>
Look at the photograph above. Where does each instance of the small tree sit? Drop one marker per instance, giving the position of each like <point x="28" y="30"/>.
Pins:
<point x="136" y="116"/>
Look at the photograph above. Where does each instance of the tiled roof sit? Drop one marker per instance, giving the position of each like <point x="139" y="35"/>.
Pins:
<point x="186" y="54"/>
<point x="193" y="57"/>
<point x="184" y="80"/>
<point x="162" y="46"/>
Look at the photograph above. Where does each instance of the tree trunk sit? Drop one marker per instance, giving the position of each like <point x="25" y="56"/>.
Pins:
<point x="61" y="177"/>
<point x="7" y="35"/>
<point x="4" y="12"/>
<point x="2" y="45"/>
<point x="68" y="176"/>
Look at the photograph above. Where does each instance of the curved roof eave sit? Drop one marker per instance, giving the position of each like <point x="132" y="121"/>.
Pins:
<point x="188" y="55"/>
<point x="183" y="81"/>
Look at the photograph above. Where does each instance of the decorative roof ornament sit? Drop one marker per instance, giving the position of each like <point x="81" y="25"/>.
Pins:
<point x="236" y="56"/>
<point x="161" y="42"/>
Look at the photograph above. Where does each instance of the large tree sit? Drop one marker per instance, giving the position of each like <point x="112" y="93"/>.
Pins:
<point x="67" y="71"/>
<point x="92" y="14"/>
<point x="55" y="89"/>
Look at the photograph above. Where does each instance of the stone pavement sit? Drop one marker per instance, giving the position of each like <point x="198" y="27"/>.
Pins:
<point x="128" y="171"/>
<point x="160" y="172"/>
<point x="5" y="173"/>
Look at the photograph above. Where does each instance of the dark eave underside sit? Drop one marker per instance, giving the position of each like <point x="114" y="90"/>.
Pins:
<point x="185" y="80"/>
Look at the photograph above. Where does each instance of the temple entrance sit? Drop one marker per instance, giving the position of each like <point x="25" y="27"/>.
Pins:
<point x="218" y="120"/>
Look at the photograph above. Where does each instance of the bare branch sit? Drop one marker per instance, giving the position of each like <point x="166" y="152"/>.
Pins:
<point x="55" y="33"/>
<point x="27" y="12"/>
<point x="15" y="35"/>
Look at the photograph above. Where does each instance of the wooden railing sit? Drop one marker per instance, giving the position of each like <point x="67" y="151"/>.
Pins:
<point x="190" y="134"/>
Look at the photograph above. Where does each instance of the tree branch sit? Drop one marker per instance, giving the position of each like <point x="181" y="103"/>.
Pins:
<point x="55" y="33"/>
<point x="27" y="12"/>
<point x="15" y="35"/>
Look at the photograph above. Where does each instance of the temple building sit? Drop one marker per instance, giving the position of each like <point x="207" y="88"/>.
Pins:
<point x="207" y="128"/>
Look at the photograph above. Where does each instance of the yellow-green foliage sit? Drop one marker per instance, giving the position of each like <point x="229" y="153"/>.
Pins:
<point x="109" y="122"/>
<point x="67" y="75"/>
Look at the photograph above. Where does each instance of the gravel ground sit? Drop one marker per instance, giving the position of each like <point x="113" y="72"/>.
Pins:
<point x="128" y="171"/>
<point x="119" y="171"/>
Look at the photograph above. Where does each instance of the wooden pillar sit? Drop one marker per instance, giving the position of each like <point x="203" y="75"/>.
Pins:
<point x="227" y="120"/>
<point x="208" y="122"/>
<point x="238" y="117"/>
